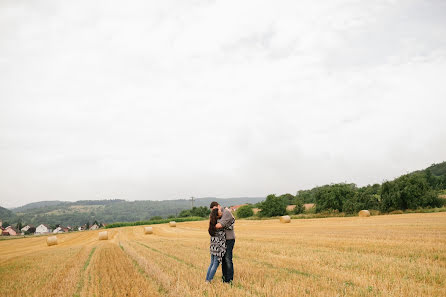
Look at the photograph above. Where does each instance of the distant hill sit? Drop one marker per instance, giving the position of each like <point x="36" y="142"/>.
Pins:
<point x="7" y="216"/>
<point x="438" y="169"/>
<point x="109" y="211"/>
<point x="39" y="204"/>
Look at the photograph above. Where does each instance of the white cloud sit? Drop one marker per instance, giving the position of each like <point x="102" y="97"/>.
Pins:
<point x="168" y="100"/>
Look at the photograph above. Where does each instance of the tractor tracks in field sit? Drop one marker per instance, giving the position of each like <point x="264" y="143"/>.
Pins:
<point x="166" y="281"/>
<point x="80" y="283"/>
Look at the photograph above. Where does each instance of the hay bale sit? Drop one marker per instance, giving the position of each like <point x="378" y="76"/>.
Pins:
<point x="148" y="230"/>
<point x="364" y="213"/>
<point x="51" y="240"/>
<point x="103" y="235"/>
<point x="285" y="219"/>
<point x="172" y="224"/>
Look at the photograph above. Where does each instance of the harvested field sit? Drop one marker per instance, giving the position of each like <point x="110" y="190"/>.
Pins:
<point x="395" y="255"/>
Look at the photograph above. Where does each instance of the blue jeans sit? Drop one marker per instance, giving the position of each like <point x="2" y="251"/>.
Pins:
<point x="212" y="268"/>
<point x="227" y="267"/>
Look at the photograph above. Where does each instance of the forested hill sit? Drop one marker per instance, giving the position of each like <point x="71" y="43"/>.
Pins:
<point x="108" y="211"/>
<point x="438" y="169"/>
<point x="7" y="216"/>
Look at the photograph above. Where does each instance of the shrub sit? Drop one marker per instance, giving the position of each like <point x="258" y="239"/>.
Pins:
<point x="273" y="206"/>
<point x="244" y="211"/>
<point x="300" y="208"/>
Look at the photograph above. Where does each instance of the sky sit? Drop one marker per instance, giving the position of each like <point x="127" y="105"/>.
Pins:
<point x="171" y="99"/>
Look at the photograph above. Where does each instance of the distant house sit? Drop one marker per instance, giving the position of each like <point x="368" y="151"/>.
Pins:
<point x="43" y="229"/>
<point x="82" y="228"/>
<point x="94" y="227"/>
<point x="26" y="228"/>
<point x="9" y="231"/>
<point x="65" y="229"/>
<point x="58" y="230"/>
<point x="235" y="207"/>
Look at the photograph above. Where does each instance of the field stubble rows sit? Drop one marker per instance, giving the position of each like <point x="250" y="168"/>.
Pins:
<point x="399" y="255"/>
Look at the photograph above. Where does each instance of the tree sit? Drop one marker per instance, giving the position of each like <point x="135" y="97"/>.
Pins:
<point x="299" y="202"/>
<point x="19" y="225"/>
<point x="5" y="224"/>
<point x="333" y="197"/>
<point x="288" y="198"/>
<point x="273" y="206"/>
<point x="201" y="211"/>
<point x="364" y="198"/>
<point x="409" y="191"/>
<point x="244" y="211"/>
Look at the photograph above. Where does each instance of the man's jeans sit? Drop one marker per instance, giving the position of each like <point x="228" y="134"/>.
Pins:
<point x="227" y="267"/>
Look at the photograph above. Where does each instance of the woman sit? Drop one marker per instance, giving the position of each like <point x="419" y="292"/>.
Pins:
<point x="218" y="244"/>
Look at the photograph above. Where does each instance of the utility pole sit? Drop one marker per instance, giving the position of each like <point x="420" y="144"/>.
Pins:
<point x="192" y="201"/>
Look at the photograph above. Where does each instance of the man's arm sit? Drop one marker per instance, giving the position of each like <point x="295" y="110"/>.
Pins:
<point x="225" y="220"/>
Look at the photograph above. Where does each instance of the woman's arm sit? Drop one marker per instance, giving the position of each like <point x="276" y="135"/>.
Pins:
<point x="218" y="226"/>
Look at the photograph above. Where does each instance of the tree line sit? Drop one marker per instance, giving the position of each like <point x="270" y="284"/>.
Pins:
<point x="412" y="191"/>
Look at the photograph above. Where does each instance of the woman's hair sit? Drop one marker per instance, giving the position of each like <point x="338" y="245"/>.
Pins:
<point x="213" y="221"/>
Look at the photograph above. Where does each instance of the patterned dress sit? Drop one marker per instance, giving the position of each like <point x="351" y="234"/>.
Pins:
<point x="218" y="242"/>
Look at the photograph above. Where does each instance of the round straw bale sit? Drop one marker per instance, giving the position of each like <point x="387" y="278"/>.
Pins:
<point x="148" y="230"/>
<point x="103" y="235"/>
<point x="51" y="240"/>
<point x="172" y="224"/>
<point x="285" y="219"/>
<point x="364" y="213"/>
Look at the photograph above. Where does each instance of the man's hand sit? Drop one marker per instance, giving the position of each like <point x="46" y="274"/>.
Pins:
<point x="218" y="226"/>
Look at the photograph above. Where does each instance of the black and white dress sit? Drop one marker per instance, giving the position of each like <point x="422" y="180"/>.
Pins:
<point x="218" y="242"/>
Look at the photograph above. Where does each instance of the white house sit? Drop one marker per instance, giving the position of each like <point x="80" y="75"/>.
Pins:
<point x="94" y="227"/>
<point x="58" y="230"/>
<point x="26" y="228"/>
<point x="43" y="229"/>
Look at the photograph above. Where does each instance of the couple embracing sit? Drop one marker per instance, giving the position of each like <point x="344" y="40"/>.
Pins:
<point x="221" y="230"/>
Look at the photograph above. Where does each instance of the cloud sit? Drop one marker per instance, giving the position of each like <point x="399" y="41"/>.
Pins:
<point x="169" y="100"/>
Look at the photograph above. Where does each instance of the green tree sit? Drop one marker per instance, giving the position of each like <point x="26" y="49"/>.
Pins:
<point x="244" y="211"/>
<point x="201" y="211"/>
<point x="299" y="202"/>
<point x="288" y="198"/>
<point x="273" y="206"/>
<point x="409" y="191"/>
<point x="334" y="196"/>
<point x="19" y="225"/>
<point x="364" y="198"/>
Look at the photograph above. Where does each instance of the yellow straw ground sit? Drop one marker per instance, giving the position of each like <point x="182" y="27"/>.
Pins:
<point x="398" y="255"/>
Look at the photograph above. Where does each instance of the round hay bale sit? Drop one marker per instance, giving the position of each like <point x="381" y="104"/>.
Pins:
<point x="172" y="224"/>
<point x="285" y="219"/>
<point x="51" y="240"/>
<point x="364" y="213"/>
<point x="103" y="235"/>
<point x="148" y="230"/>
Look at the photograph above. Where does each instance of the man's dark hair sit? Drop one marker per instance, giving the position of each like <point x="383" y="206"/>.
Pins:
<point x="214" y="204"/>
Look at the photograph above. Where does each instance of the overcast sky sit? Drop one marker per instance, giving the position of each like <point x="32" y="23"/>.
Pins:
<point x="172" y="99"/>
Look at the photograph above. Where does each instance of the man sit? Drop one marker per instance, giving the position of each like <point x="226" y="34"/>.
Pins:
<point x="226" y="221"/>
